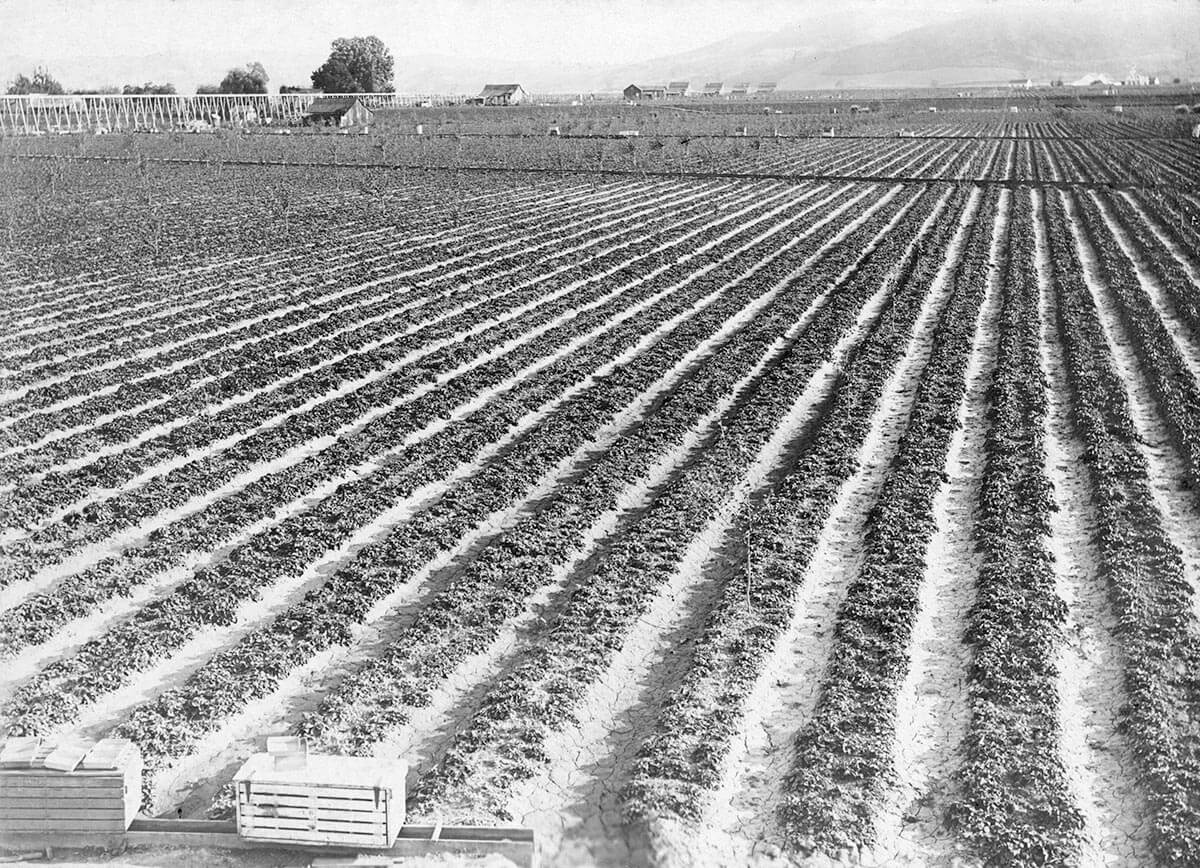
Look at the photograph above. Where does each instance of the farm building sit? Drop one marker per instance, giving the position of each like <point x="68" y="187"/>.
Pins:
<point x="337" y="111"/>
<point x="645" y="91"/>
<point x="766" y="87"/>
<point x="677" y="89"/>
<point x="742" y="89"/>
<point x="500" y="94"/>
<point x="713" y="88"/>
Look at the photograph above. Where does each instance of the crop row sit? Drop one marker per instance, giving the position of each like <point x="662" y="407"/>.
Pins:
<point x="1142" y="568"/>
<point x="681" y="762"/>
<point x="496" y="586"/>
<point x="224" y="380"/>
<point x="1175" y="390"/>
<point x="138" y="287"/>
<point x="837" y="782"/>
<point x="1013" y="804"/>
<point x="439" y="306"/>
<point x="538" y="693"/>
<point x="72" y="598"/>
<point x="298" y="303"/>
<point x="334" y="312"/>
<point x="211" y="596"/>
<point x="128" y="313"/>
<point x="327" y="615"/>
<point x="536" y="311"/>
<point x="139" y="291"/>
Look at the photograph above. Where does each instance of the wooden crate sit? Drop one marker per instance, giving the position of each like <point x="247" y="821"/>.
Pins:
<point x="332" y="800"/>
<point x="43" y="802"/>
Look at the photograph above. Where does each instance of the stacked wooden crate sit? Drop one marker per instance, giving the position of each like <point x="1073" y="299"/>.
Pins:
<point x="287" y="795"/>
<point x="59" y="789"/>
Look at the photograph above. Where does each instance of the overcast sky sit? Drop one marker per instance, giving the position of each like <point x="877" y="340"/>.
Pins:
<point x="558" y="31"/>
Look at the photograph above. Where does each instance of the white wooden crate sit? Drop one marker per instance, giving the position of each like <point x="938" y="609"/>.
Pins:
<point x="334" y="800"/>
<point x="44" y="801"/>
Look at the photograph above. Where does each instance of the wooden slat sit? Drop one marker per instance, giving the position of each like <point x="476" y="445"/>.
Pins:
<point x="51" y="774"/>
<point x="69" y="804"/>
<point x="62" y="782"/>
<point x="470" y="833"/>
<point x="33" y="824"/>
<point x="56" y="813"/>
<point x="321" y="813"/>
<point x="263" y="800"/>
<point x="304" y="825"/>
<point x="281" y="835"/>
<point x="266" y="787"/>
<point x="15" y="795"/>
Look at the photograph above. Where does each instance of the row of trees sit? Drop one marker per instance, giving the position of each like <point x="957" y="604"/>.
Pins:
<point x="358" y="64"/>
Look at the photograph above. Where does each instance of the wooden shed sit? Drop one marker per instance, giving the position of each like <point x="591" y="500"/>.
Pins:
<point x="676" y="89"/>
<point x="338" y="111"/>
<point x="713" y="88"/>
<point x="501" y="94"/>
<point x="645" y="91"/>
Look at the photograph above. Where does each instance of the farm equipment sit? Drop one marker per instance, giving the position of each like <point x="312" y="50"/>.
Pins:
<point x="79" y="794"/>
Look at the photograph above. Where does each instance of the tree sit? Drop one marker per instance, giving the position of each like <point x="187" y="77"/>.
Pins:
<point x="149" y="88"/>
<point x="42" y="82"/>
<point x="252" y="79"/>
<point x="359" y="64"/>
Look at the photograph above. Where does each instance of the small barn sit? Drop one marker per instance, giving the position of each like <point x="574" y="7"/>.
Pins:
<point x="713" y="88"/>
<point x="766" y="87"/>
<point x="501" y="94"/>
<point x="676" y="89"/>
<point x="645" y="91"/>
<point x="337" y="111"/>
<point x="741" y="89"/>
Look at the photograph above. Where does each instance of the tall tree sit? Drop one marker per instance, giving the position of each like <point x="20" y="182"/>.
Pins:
<point x="358" y="64"/>
<point x="41" y="82"/>
<point x="252" y="79"/>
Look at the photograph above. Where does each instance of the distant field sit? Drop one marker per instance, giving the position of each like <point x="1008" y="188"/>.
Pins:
<point x="691" y="498"/>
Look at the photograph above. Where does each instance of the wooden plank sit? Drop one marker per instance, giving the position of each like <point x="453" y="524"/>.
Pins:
<point x="51" y="774"/>
<point x="290" y="835"/>
<point x="69" y="804"/>
<point x="414" y="843"/>
<point x="305" y="825"/>
<point x="62" y="782"/>
<point x="32" y="824"/>
<point x="157" y="824"/>
<point x="290" y="801"/>
<point x="320" y="813"/>
<point x="275" y="789"/>
<point x="64" y="813"/>
<point x="116" y="796"/>
<point x="471" y="833"/>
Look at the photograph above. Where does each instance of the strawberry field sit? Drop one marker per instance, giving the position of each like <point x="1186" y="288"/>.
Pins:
<point x="725" y="501"/>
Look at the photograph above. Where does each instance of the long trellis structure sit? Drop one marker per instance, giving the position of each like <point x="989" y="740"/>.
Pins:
<point x="38" y="113"/>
